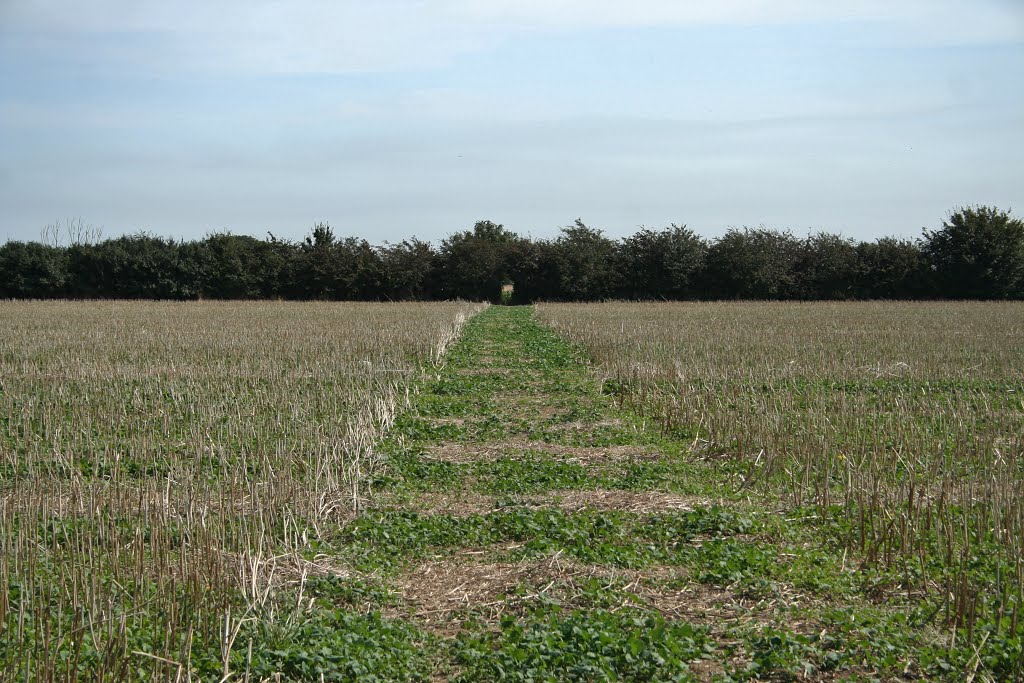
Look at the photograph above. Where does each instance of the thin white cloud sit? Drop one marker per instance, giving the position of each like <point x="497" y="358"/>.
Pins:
<point x="327" y="36"/>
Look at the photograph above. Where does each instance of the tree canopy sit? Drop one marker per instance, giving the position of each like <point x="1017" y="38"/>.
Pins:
<point x="977" y="253"/>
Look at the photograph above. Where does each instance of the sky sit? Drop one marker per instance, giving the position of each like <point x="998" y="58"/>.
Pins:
<point x="394" y="118"/>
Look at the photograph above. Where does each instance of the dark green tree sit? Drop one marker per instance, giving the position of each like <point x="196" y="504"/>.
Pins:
<point x="587" y="264"/>
<point x="408" y="267"/>
<point x="139" y="266"/>
<point x="534" y="270"/>
<point x="826" y="268"/>
<point x="752" y="264"/>
<point x="472" y="264"/>
<point x="662" y="264"/>
<point x="977" y="254"/>
<point x="361" y="271"/>
<point x="230" y="266"/>
<point x="317" y="269"/>
<point x="891" y="268"/>
<point x="30" y="270"/>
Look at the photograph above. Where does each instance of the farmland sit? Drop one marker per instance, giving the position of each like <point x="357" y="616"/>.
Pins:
<point x="899" y="426"/>
<point x="162" y="465"/>
<point x="722" y="491"/>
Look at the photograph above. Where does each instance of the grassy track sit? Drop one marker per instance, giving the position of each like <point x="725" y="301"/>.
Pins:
<point x="528" y="530"/>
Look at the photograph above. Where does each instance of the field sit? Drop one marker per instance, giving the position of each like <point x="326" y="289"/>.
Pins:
<point x="899" y="426"/>
<point x="161" y="465"/>
<point x="724" y="491"/>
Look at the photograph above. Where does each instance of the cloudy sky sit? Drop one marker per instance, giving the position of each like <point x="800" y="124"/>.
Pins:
<point x="390" y="118"/>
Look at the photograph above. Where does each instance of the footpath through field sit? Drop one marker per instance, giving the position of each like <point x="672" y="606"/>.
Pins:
<point x="527" y="529"/>
<point x="534" y="531"/>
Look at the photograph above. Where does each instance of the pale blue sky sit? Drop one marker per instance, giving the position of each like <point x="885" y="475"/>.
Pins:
<point x="390" y="118"/>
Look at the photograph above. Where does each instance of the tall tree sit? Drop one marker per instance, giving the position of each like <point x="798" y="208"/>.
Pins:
<point x="662" y="264"/>
<point x="826" y="267"/>
<point x="474" y="263"/>
<point x="30" y="270"/>
<point x="408" y="267"/>
<point x="587" y="263"/>
<point x="317" y="268"/>
<point x="752" y="264"/>
<point x="534" y="270"/>
<point x="240" y="267"/>
<point x="978" y="254"/>
<point x="891" y="268"/>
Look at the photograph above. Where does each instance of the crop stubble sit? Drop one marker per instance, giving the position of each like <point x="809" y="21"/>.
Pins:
<point x="903" y="420"/>
<point x="164" y="467"/>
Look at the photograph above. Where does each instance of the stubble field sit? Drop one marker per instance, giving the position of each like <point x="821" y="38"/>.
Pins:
<point x="899" y="425"/>
<point x="161" y="462"/>
<point x="721" y="491"/>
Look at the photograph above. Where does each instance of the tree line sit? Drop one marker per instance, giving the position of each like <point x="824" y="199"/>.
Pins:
<point x="977" y="253"/>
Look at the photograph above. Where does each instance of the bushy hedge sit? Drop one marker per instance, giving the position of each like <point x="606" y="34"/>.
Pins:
<point x="978" y="253"/>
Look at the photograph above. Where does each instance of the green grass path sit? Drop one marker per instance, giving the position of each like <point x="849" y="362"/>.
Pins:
<point x="526" y="529"/>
